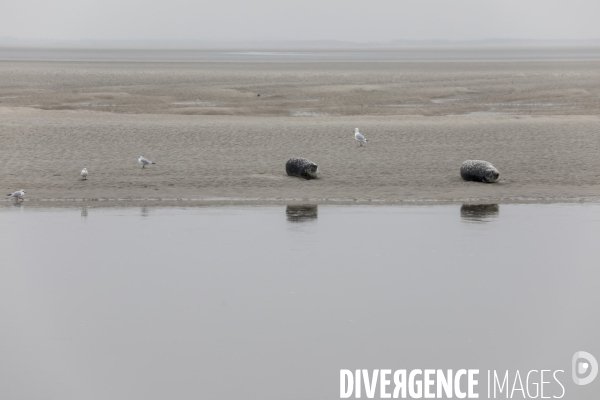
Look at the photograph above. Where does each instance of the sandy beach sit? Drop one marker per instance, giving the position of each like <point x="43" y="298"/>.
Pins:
<point x="223" y="131"/>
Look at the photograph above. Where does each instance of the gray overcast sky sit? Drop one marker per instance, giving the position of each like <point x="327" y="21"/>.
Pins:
<point x="349" y="20"/>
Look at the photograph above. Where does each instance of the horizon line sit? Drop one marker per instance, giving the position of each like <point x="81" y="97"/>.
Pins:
<point x="13" y="41"/>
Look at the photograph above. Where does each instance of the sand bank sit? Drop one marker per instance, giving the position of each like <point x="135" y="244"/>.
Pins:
<point x="202" y="158"/>
<point x="215" y="139"/>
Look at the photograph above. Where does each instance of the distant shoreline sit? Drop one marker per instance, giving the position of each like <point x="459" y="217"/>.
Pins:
<point x="450" y="53"/>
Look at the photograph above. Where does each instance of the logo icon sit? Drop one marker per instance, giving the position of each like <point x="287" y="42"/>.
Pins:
<point x="585" y="368"/>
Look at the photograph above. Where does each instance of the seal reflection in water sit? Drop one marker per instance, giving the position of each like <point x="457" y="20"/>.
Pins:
<point x="301" y="213"/>
<point x="479" y="171"/>
<point x="302" y="168"/>
<point x="479" y="212"/>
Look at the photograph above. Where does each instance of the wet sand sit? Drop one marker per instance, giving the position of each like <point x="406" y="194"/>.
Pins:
<point x="215" y="139"/>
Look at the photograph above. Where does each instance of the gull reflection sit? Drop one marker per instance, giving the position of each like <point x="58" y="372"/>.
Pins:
<point x="145" y="211"/>
<point x="479" y="212"/>
<point x="301" y="213"/>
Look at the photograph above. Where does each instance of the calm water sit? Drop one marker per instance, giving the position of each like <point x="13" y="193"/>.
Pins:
<point x="567" y="53"/>
<point x="271" y="302"/>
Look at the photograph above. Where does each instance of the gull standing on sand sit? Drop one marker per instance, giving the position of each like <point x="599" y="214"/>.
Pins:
<point x="144" y="161"/>
<point x="361" y="139"/>
<point x="17" y="195"/>
<point x="84" y="174"/>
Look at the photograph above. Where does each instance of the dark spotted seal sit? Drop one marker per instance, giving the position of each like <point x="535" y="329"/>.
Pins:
<point x="479" y="171"/>
<point x="301" y="167"/>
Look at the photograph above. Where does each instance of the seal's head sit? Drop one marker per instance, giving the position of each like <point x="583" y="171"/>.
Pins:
<point x="312" y="170"/>
<point x="490" y="175"/>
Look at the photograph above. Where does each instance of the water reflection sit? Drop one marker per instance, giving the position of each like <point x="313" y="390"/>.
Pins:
<point x="84" y="212"/>
<point x="145" y="211"/>
<point x="301" y="213"/>
<point x="479" y="212"/>
<point x="233" y="291"/>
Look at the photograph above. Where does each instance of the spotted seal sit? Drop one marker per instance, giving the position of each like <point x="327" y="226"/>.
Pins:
<point x="479" y="171"/>
<point x="302" y="168"/>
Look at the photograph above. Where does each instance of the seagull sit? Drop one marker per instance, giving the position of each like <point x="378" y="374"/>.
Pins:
<point x="84" y="174"/>
<point x="144" y="161"/>
<point x="17" y="195"/>
<point x="361" y="139"/>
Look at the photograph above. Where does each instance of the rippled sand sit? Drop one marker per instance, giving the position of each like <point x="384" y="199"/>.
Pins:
<point x="214" y="137"/>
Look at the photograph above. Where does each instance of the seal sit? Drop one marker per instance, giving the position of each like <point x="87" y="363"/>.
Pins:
<point x="302" y="168"/>
<point x="479" y="171"/>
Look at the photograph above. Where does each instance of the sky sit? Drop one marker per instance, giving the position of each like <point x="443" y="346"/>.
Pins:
<point x="281" y="20"/>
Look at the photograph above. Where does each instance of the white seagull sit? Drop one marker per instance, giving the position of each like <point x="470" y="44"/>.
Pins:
<point x="361" y="139"/>
<point x="18" y="194"/>
<point x="84" y="174"/>
<point x="144" y="161"/>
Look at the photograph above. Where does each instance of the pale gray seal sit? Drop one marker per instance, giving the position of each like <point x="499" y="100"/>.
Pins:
<point x="479" y="171"/>
<point x="301" y="167"/>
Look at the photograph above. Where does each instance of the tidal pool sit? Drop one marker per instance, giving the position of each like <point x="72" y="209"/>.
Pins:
<point x="272" y="302"/>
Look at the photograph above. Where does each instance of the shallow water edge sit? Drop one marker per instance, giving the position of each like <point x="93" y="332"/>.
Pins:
<point x="111" y="202"/>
